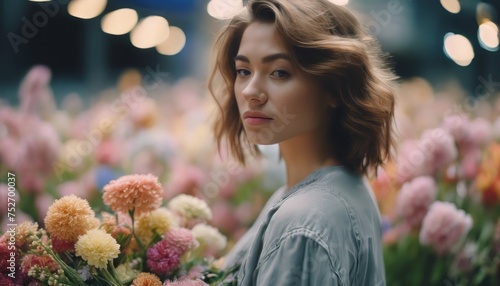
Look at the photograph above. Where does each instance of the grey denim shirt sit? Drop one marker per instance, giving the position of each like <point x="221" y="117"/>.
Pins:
<point x="323" y="231"/>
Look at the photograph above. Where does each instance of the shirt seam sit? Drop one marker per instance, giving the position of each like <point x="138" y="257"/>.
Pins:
<point x="352" y="218"/>
<point x="308" y="234"/>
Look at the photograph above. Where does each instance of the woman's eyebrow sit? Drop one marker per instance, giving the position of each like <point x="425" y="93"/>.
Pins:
<point x="265" y="59"/>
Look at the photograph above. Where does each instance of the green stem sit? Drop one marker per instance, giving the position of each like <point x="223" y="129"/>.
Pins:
<point x="72" y="273"/>
<point x="112" y="280"/>
<point x="141" y="246"/>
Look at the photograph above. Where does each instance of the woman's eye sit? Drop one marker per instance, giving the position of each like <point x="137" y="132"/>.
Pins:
<point x="280" y="74"/>
<point x="242" y="72"/>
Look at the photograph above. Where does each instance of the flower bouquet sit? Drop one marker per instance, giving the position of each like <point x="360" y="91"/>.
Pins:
<point x="138" y="242"/>
<point x="440" y="201"/>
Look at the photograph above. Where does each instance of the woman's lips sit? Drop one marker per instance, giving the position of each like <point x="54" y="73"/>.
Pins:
<point x="255" y="117"/>
<point x="257" y="120"/>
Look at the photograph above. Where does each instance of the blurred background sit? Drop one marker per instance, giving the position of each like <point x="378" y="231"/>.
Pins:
<point x="77" y="39"/>
<point x="91" y="90"/>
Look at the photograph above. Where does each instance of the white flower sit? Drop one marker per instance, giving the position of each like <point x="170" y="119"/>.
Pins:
<point x="190" y="207"/>
<point x="209" y="235"/>
<point x="84" y="273"/>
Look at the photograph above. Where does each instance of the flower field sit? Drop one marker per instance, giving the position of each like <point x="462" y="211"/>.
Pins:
<point x="128" y="187"/>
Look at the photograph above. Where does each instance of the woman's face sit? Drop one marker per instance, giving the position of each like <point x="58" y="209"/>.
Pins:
<point x="275" y="100"/>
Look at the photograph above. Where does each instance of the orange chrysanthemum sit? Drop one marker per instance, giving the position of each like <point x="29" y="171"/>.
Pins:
<point x="146" y="279"/>
<point x="141" y="193"/>
<point x="70" y="217"/>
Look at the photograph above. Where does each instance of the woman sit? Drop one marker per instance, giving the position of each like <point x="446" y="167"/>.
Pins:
<point x="305" y="75"/>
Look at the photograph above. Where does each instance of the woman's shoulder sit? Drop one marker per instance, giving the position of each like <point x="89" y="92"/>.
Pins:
<point x="336" y="204"/>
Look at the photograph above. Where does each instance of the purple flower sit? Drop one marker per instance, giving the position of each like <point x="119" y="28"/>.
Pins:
<point x="181" y="238"/>
<point x="163" y="257"/>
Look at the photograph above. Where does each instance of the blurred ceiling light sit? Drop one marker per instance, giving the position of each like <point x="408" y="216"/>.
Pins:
<point x="150" y="32"/>
<point x="458" y="48"/>
<point x="224" y="9"/>
<point x="452" y="6"/>
<point x="340" y="2"/>
<point x="488" y="36"/>
<point x="40" y="0"/>
<point x="86" y="9"/>
<point x="174" y="43"/>
<point x="120" y="21"/>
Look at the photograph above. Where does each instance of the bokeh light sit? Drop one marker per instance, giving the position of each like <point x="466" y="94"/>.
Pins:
<point x="458" y="48"/>
<point x="174" y="43"/>
<point x="340" y="2"/>
<point x="224" y="9"/>
<point x="452" y="6"/>
<point x="86" y="9"/>
<point x="120" y="21"/>
<point x="487" y="35"/>
<point x="150" y="32"/>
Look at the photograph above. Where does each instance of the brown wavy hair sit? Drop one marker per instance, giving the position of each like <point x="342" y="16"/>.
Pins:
<point x="327" y="42"/>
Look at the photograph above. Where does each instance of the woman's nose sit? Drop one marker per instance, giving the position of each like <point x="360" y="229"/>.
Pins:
<point x="254" y="92"/>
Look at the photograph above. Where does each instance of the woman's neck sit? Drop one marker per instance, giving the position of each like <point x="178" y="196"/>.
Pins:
<point x="303" y="155"/>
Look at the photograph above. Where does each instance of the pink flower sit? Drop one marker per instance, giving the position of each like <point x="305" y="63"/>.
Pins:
<point x="470" y="164"/>
<point x="30" y="260"/>
<point x="162" y="257"/>
<point x="6" y="280"/>
<point x="165" y="255"/>
<point x="109" y="153"/>
<point x="458" y="126"/>
<point x="38" y="148"/>
<point x="440" y="147"/>
<point x="4" y="253"/>
<point x="61" y="245"/>
<point x="224" y="217"/>
<point x="414" y="200"/>
<point x="407" y="166"/>
<point x="141" y="193"/>
<point x="35" y="92"/>
<point x="181" y="238"/>
<point x="184" y="179"/>
<point x="195" y="272"/>
<point x="185" y="282"/>
<point x="444" y="226"/>
<point x="480" y="132"/>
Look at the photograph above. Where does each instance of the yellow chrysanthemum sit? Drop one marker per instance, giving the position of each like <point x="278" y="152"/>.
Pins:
<point x="24" y="230"/>
<point x="70" y="217"/>
<point x="97" y="248"/>
<point x="146" y="279"/>
<point x="158" y="221"/>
